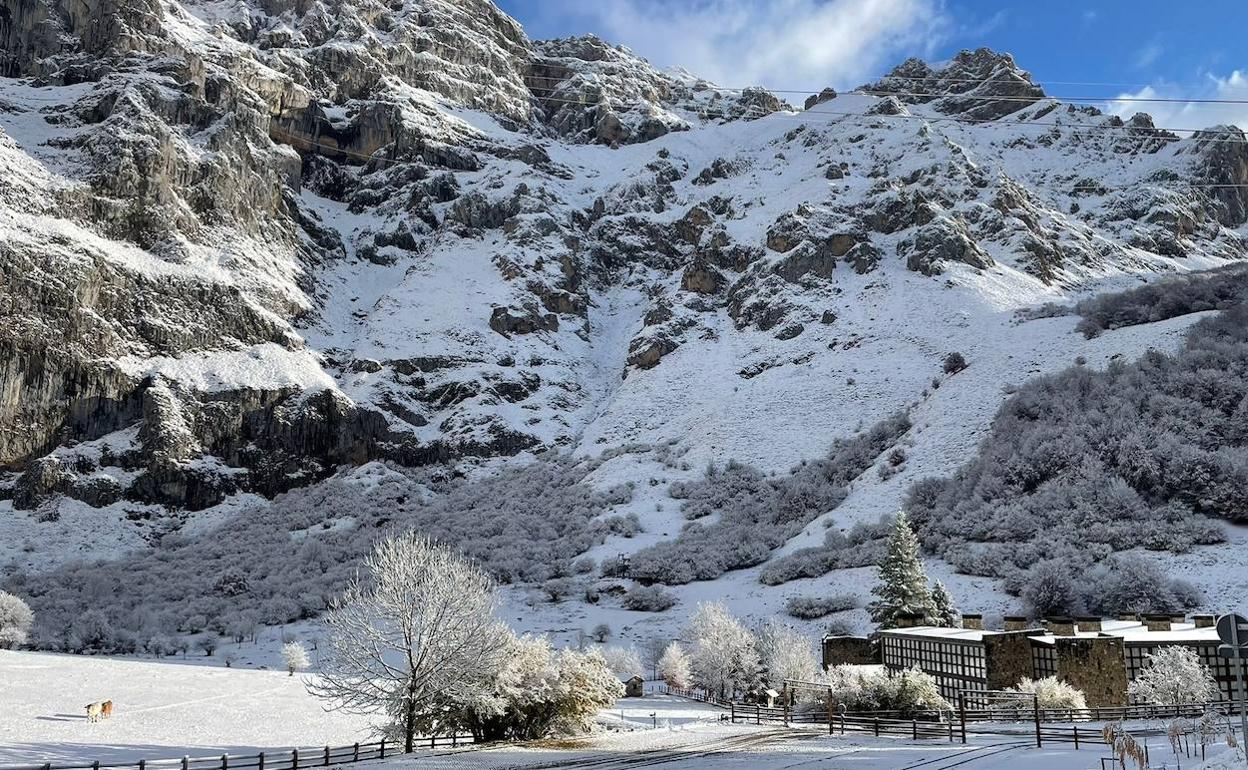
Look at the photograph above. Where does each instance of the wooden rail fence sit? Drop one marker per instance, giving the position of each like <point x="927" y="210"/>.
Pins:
<point x="292" y="759"/>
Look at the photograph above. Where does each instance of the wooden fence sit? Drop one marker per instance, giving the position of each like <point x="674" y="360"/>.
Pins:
<point x="292" y="759"/>
<point x="701" y="696"/>
<point x="952" y="727"/>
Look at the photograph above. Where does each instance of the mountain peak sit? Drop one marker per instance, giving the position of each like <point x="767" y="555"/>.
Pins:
<point x="982" y="84"/>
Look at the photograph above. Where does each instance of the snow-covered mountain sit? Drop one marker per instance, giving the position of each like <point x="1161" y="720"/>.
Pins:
<point x="247" y="246"/>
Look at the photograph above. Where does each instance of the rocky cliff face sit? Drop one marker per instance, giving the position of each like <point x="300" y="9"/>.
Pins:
<point x="243" y="246"/>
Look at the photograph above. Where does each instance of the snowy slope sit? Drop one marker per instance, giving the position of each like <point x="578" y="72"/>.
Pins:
<point x="469" y="255"/>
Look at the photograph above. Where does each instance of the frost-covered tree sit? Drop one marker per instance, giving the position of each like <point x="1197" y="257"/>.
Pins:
<point x="418" y="627"/>
<point x="902" y="586"/>
<point x="623" y="661"/>
<point x="723" y="653"/>
<point x="1052" y="693"/>
<point x="1174" y="676"/>
<point x="786" y="653"/>
<point x="944" y="613"/>
<point x="674" y="667"/>
<point x="15" y="621"/>
<point x="652" y="652"/>
<point x="600" y="633"/>
<point x="294" y="657"/>
<point x="535" y="693"/>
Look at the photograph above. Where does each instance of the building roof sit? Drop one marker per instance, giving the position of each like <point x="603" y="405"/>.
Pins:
<point x="1130" y="631"/>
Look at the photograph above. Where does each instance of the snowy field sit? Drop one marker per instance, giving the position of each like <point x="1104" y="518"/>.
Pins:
<point x="162" y="709"/>
<point x="167" y="709"/>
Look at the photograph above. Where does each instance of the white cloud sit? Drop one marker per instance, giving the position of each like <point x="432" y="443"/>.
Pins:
<point x="1150" y="53"/>
<point x="799" y="44"/>
<point x="1190" y="114"/>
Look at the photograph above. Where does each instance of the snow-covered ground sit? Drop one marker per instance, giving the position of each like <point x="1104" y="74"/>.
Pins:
<point x="167" y="709"/>
<point x="162" y="709"/>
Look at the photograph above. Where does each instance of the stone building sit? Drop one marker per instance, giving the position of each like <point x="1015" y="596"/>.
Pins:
<point x="1099" y="657"/>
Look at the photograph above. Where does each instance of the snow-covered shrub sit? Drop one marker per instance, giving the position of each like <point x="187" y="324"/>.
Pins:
<point x="1052" y="693"/>
<point x="674" y="668"/>
<point x="294" y="657"/>
<point x="723" y="654"/>
<point x="757" y="513"/>
<point x="1049" y="589"/>
<point x="648" y="599"/>
<point x="812" y="607"/>
<point x="16" y="620"/>
<point x="1141" y="454"/>
<point x="1173" y="676"/>
<point x="953" y="363"/>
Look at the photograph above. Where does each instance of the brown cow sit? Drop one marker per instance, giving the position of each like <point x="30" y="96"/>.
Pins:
<point x="106" y="709"/>
<point x="94" y="711"/>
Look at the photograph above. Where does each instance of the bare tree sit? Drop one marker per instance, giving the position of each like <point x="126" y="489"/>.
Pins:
<point x="419" y="630"/>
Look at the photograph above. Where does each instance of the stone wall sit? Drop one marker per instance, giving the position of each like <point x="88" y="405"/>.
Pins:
<point x="849" y="650"/>
<point x="1008" y="658"/>
<point x="1095" y="665"/>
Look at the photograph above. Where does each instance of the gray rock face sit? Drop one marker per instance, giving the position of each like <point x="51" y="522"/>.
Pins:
<point x="980" y="84"/>
<point x="221" y="219"/>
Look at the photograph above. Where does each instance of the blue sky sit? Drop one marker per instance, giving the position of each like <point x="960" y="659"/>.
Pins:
<point x="1146" y="48"/>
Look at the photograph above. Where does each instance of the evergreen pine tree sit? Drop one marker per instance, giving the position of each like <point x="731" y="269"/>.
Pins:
<point x="943" y="612"/>
<point x="902" y="588"/>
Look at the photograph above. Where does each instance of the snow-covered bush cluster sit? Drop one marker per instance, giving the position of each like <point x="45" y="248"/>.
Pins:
<point x="813" y="607"/>
<point x="1169" y="298"/>
<point x="862" y="546"/>
<point x="1120" y="584"/>
<point x="648" y="599"/>
<point x="525" y="523"/>
<point x="757" y="513"/>
<point x="1084" y="463"/>
<point x="872" y="689"/>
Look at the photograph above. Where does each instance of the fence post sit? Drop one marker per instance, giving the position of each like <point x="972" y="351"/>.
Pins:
<point x="383" y="749"/>
<point x="962" y="713"/>
<point x="355" y="753"/>
<point x="327" y="756"/>
<point x="186" y="762"/>
<point x="877" y="727"/>
<point x="1076" y="737"/>
<point x="433" y="741"/>
<point x="225" y="762"/>
<point x="260" y="761"/>
<point x="951" y="731"/>
<point x="142" y="764"/>
<point x="1036" y="711"/>
<point x="95" y="765"/>
<point x="294" y="759"/>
